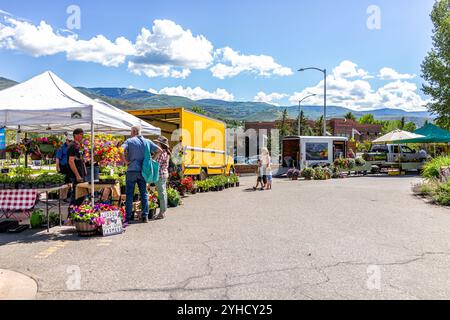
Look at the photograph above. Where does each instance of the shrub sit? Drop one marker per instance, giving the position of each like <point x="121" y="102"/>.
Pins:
<point x="442" y="194"/>
<point x="432" y="168"/>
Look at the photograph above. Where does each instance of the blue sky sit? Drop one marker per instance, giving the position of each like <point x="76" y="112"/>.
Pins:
<point x="235" y="50"/>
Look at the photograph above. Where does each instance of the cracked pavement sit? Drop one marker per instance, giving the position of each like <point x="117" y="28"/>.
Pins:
<point x="356" y="238"/>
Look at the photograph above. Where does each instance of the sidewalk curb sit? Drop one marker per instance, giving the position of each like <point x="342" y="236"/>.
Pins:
<point x="16" y="286"/>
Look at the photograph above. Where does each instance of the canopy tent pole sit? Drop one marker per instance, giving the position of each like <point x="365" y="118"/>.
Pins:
<point x="92" y="157"/>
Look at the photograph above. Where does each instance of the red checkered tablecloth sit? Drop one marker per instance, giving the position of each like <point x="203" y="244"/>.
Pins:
<point x="17" y="199"/>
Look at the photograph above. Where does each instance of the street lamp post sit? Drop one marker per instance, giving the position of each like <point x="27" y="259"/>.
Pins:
<point x="300" y="113"/>
<point x="324" y="71"/>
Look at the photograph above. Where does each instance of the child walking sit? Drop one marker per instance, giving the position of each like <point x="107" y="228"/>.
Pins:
<point x="269" y="178"/>
<point x="262" y="179"/>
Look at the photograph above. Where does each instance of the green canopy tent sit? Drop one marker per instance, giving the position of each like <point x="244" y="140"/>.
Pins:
<point x="431" y="133"/>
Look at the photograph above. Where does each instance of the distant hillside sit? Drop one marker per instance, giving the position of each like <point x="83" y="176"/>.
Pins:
<point x="6" y="83"/>
<point x="250" y="111"/>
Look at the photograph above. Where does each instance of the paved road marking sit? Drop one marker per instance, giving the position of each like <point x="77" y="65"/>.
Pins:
<point x="51" y="250"/>
<point x="104" y="243"/>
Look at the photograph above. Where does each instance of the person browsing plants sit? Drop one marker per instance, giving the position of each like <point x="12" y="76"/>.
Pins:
<point x="163" y="160"/>
<point x="62" y="163"/>
<point x="77" y="168"/>
<point x="134" y="154"/>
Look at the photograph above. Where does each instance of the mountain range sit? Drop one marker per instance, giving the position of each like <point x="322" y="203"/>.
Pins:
<point x="128" y="99"/>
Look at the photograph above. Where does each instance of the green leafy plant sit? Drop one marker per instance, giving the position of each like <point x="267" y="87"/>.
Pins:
<point x="37" y="218"/>
<point x="308" y="173"/>
<point x="432" y="168"/>
<point x="442" y="194"/>
<point x="360" y="162"/>
<point x="351" y="163"/>
<point x="173" y="197"/>
<point x="320" y="174"/>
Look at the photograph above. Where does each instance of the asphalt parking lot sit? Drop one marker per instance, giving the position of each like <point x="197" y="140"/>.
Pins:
<point x="355" y="238"/>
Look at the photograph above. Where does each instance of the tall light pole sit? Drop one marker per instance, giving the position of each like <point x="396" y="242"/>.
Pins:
<point x="324" y="71"/>
<point x="300" y="112"/>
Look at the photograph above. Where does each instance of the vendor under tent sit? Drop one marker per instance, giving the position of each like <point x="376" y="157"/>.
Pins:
<point x="398" y="137"/>
<point x="46" y="104"/>
<point x="430" y="134"/>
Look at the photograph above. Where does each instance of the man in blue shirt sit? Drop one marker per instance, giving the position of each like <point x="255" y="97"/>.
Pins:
<point x="134" y="157"/>
<point x="62" y="164"/>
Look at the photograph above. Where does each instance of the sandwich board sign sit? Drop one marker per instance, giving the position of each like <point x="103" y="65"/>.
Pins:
<point x="113" y="223"/>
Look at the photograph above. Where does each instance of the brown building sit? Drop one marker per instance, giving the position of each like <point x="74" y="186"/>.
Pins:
<point x="350" y="128"/>
<point x="339" y="127"/>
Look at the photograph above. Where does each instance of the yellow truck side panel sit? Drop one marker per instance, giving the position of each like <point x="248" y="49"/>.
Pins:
<point x="202" y="138"/>
<point x="204" y="142"/>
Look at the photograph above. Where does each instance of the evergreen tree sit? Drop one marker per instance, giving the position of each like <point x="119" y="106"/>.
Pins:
<point x="283" y="125"/>
<point x="350" y="116"/>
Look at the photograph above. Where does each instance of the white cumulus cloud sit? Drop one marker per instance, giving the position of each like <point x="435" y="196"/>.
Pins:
<point x="359" y="94"/>
<point x="165" y="50"/>
<point x="42" y="40"/>
<point x="349" y="69"/>
<point x="233" y="63"/>
<point x="170" y="51"/>
<point x="269" y="98"/>
<point x="195" y="93"/>
<point x="391" y="74"/>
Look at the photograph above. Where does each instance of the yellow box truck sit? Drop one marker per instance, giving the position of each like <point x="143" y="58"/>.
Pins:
<point x="199" y="142"/>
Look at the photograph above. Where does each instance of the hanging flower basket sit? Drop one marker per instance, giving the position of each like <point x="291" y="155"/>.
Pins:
<point x="36" y="156"/>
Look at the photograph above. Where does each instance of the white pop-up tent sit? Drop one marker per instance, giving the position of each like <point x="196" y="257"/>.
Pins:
<point x="46" y="103"/>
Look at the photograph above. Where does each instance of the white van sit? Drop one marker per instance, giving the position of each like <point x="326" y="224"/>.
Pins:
<point x="301" y="152"/>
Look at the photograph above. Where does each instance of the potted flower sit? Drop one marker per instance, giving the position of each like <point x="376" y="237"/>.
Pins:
<point x="173" y="198"/>
<point x="187" y="184"/>
<point x="152" y="204"/>
<point x="308" y="173"/>
<point x="88" y="220"/>
<point x="293" y="174"/>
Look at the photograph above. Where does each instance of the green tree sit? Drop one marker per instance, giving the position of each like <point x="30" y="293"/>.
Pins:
<point x="367" y="119"/>
<point x="317" y="129"/>
<point x="410" y="126"/>
<point x="436" y="66"/>
<point x="305" y="129"/>
<point x="283" y="125"/>
<point x="391" y="125"/>
<point x="350" y="116"/>
<point x="199" y="110"/>
<point x="402" y="123"/>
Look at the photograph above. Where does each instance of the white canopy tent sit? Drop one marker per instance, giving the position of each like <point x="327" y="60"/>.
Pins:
<point x="46" y="103"/>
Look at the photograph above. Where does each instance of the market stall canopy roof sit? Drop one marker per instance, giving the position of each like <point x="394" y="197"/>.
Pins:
<point x="46" y="103"/>
<point x="432" y="134"/>
<point x="397" y="136"/>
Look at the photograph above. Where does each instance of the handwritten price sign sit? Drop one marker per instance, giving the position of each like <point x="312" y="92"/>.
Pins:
<point x="113" y="223"/>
